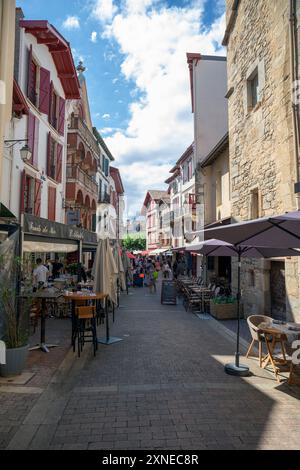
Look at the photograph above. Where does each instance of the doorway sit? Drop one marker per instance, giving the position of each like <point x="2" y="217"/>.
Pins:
<point x="278" y="290"/>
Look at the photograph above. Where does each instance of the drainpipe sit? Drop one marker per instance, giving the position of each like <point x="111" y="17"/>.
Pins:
<point x="294" y="63"/>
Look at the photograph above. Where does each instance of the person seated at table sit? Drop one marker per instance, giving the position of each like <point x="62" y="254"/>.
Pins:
<point x="83" y="273"/>
<point x="40" y="275"/>
<point x="57" y="268"/>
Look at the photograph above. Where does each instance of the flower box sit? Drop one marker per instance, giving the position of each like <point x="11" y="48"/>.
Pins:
<point x="223" y="311"/>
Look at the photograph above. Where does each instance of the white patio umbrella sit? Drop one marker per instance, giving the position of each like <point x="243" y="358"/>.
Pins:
<point x="105" y="275"/>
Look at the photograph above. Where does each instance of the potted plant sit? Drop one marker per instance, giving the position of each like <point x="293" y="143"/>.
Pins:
<point x="73" y="271"/>
<point x="14" y="320"/>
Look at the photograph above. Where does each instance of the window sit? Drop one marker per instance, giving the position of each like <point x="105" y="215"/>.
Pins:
<point x="190" y="170"/>
<point x="254" y="204"/>
<point x="219" y="188"/>
<point x="185" y="173"/>
<point x="32" y="196"/>
<point x="29" y="195"/>
<point x="105" y="165"/>
<point x="52" y="163"/>
<point x="54" y="159"/>
<point x="254" y="90"/>
<point x="255" y="84"/>
<point x="53" y="109"/>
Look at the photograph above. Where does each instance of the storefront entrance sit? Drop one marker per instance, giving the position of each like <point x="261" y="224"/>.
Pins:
<point x="278" y="290"/>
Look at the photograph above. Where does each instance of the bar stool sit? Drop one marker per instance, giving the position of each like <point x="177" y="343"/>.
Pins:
<point x="85" y="327"/>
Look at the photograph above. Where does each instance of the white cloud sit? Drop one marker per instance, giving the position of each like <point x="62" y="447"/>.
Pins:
<point x="153" y="43"/>
<point x="104" y="10"/>
<point x="71" y="22"/>
<point x="106" y="116"/>
<point x="106" y="130"/>
<point x="115" y="80"/>
<point x="94" y="36"/>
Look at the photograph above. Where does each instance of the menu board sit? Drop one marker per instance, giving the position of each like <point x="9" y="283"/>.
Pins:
<point x="169" y="293"/>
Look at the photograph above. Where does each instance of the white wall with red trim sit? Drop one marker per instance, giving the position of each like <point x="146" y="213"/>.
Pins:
<point x="12" y="186"/>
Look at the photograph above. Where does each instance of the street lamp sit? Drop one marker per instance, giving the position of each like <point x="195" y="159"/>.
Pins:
<point x="25" y="153"/>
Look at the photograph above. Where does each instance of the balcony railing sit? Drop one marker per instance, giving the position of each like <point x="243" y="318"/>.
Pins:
<point x="77" y="124"/>
<point x="75" y="173"/>
<point x="104" y="198"/>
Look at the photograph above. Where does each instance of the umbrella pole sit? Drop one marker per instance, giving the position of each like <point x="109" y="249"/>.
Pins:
<point x="238" y="299"/>
<point x="237" y="368"/>
<point x="109" y="339"/>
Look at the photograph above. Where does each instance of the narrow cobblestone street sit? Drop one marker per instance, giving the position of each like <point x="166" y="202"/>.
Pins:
<point x="162" y="387"/>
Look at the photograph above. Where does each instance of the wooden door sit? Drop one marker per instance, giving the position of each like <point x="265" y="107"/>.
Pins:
<point x="278" y="290"/>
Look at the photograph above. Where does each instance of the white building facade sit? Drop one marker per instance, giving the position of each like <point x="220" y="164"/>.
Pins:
<point x="45" y="78"/>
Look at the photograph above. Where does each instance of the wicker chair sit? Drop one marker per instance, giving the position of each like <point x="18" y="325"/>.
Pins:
<point x="253" y="322"/>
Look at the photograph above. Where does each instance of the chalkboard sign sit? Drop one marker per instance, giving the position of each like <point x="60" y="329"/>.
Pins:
<point x="168" y="293"/>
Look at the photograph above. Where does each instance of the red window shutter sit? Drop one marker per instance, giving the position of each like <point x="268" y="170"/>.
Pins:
<point x="59" y="163"/>
<point x="50" y="102"/>
<point x="51" y="203"/>
<point x="22" y="192"/>
<point x="49" y="154"/>
<point x="30" y="134"/>
<point x="61" y="118"/>
<point x="44" y="103"/>
<point x="37" y="198"/>
<point x="36" y="143"/>
<point x="31" y="83"/>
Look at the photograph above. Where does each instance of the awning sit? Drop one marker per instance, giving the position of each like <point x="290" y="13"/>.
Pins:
<point x="42" y="236"/>
<point x="44" y="247"/>
<point x="158" y="251"/>
<point x="6" y="213"/>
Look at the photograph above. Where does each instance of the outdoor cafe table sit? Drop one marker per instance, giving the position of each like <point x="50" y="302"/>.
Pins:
<point x="44" y="295"/>
<point x="291" y="334"/>
<point x="287" y="332"/>
<point x="75" y="297"/>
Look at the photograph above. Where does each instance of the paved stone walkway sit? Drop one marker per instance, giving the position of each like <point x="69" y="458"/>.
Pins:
<point x="162" y="387"/>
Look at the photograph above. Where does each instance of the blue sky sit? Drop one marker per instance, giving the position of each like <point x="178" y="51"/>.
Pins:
<point x="138" y="83"/>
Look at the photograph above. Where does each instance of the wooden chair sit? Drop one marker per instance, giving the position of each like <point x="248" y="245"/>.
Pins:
<point x="86" y="328"/>
<point x="35" y="313"/>
<point x="253" y="323"/>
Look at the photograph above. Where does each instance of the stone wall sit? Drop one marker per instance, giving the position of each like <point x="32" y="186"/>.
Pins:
<point x="261" y="138"/>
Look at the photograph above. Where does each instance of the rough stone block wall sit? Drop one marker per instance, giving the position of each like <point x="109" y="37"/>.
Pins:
<point x="261" y="139"/>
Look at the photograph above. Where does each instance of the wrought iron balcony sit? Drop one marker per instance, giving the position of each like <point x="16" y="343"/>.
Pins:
<point x="75" y="174"/>
<point x="77" y="124"/>
<point x="104" y="198"/>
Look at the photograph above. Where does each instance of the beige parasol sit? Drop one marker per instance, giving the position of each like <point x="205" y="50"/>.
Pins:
<point x="105" y="271"/>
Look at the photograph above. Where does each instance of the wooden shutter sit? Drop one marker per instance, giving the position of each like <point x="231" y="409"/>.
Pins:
<point x="44" y="104"/>
<point x="59" y="163"/>
<point x="61" y="116"/>
<point x="50" y="102"/>
<point x="36" y="143"/>
<point x="51" y="203"/>
<point x="49" y="154"/>
<point x="29" y="72"/>
<point x="37" y="198"/>
<point x="31" y="84"/>
<point x="22" y="192"/>
<point x="31" y="134"/>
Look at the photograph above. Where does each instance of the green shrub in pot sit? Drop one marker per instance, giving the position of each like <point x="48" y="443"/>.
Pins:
<point x="14" y="320"/>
